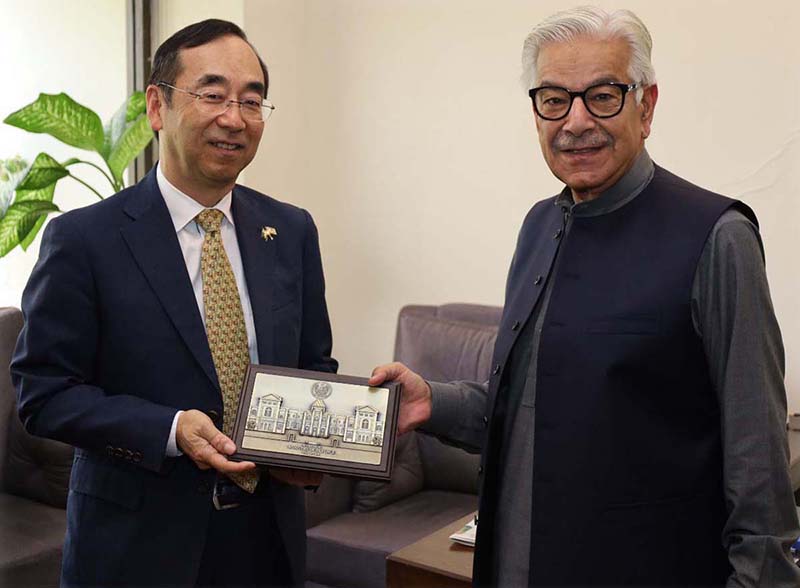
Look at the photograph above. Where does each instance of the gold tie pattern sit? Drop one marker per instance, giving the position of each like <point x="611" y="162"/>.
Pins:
<point x="227" y="335"/>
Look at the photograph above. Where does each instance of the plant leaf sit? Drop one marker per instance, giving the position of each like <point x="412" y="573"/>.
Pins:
<point x="63" y="118"/>
<point x="19" y="220"/>
<point x="12" y="172"/>
<point x="38" y="195"/>
<point x="137" y="104"/>
<point x="44" y="194"/>
<point x="136" y="137"/>
<point x="44" y="171"/>
<point x="128" y="112"/>
<point x="26" y="242"/>
<point x="113" y="130"/>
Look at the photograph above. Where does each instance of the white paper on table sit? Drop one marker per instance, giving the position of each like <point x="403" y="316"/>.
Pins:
<point x="466" y="535"/>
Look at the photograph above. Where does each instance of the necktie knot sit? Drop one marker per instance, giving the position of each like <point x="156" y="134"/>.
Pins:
<point x="210" y="219"/>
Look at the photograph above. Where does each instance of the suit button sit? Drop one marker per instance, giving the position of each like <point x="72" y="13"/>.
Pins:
<point x="537" y="281"/>
<point x="214" y="416"/>
<point x="110" y="450"/>
<point x="119" y="452"/>
<point x="485" y="421"/>
<point x="137" y="456"/>
<point x="480" y="470"/>
<point x="496" y="369"/>
<point x="515" y="326"/>
<point x="129" y="455"/>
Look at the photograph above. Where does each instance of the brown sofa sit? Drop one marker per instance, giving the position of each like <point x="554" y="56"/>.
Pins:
<point x="353" y="526"/>
<point x="34" y="477"/>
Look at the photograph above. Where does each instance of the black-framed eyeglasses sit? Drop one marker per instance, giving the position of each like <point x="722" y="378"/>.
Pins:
<point x="214" y="104"/>
<point x="601" y="100"/>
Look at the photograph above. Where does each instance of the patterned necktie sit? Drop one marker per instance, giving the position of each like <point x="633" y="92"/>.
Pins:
<point x="227" y="336"/>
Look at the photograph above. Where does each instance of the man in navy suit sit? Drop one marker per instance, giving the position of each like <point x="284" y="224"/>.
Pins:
<point x="114" y="356"/>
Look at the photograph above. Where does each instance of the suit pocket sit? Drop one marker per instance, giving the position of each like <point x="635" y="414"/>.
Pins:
<point x="649" y="503"/>
<point x="283" y="304"/>
<point x="105" y="481"/>
<point x="639" y="324"/>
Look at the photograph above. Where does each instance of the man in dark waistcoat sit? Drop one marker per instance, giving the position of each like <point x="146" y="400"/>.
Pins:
<point x="633" y="427"/>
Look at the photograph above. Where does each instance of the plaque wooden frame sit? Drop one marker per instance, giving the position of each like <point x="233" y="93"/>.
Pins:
<point x="318" y="453"/>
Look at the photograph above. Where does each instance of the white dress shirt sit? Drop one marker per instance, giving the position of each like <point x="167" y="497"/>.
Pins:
<point x="182" y="210"/>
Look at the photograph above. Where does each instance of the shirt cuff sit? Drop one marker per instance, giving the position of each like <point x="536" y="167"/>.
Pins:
<point x="172" y="442"/>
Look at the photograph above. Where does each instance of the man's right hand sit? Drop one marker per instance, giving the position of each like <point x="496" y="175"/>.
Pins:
<point x="205" y="445"/>
<point x="415" y="399"/>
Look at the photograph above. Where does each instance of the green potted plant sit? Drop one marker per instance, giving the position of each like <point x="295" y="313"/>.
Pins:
<point x="26" y="191"/>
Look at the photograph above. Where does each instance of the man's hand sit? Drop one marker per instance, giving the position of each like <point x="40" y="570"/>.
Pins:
<point x="415" y="399"/>
<point x="294" y="477"/>
<point x="206" y="445"/>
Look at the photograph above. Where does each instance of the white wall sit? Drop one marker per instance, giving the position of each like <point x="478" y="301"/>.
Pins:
<point x="401" y="126"/>
<point x="52" y="47"/>
<point x="170" y="16"/>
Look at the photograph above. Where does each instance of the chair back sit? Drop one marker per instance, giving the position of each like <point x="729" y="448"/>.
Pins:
<point x="10" y="326"/>
<point x="447" y="343"/>
<point x="30" y="467"/>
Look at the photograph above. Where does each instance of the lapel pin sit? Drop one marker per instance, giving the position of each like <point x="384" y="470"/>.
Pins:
<point x="268" y="233"/>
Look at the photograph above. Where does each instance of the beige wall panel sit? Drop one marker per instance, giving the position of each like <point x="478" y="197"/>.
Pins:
<point x="402" y="128"/>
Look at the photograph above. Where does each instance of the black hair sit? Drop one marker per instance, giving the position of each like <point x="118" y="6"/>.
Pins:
<point x="167" y="62"/>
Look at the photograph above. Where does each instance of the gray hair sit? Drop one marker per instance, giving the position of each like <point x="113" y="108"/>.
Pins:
<point x="592" y="21"/>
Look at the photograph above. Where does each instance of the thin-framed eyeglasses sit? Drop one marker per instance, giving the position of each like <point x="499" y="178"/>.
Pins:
<point x="601" y="100"/>
<point x="215" y="104"/>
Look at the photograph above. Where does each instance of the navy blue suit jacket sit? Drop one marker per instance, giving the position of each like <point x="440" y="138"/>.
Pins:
<point x="114" y="343"/>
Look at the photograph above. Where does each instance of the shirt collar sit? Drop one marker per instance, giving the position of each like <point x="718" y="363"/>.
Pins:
<point x="183" y="208"/>
<point x="626" y="189"/>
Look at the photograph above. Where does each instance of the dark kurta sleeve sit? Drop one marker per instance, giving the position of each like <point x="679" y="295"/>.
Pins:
<point x="733" y="313"/>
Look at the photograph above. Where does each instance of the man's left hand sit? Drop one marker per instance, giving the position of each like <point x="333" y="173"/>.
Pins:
<point x="294" y="477"/>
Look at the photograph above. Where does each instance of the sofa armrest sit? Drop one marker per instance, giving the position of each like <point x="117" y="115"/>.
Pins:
<point x="333" y="497"/>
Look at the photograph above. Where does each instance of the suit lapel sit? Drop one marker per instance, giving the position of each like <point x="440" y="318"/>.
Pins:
<point x="258" y="259"/>
<point x="154" y="244"/>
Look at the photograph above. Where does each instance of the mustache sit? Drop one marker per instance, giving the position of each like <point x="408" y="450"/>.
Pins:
<point x="590" y="140"/>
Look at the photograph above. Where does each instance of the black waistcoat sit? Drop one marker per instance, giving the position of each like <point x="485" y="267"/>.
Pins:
<point x="627" y="487"/>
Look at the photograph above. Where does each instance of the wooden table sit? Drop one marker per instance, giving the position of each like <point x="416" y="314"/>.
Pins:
<point x="432" y="561"/>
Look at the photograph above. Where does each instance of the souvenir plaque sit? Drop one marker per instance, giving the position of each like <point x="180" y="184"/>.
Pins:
<point x="317" y="421"/>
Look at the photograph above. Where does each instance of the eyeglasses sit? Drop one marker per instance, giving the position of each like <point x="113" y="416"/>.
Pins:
<point x="601" y="100"/>
<point x="214" y="104"/>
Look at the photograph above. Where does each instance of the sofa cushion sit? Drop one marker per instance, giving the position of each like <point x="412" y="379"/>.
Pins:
<point x="446" y="467"/>
<point x="30" y="467"/>
<point x="36" y="468"/>
<point x="350" y="550"/>
<point x="407" y="478"/>
<point x="31" y="534"/>
<point x="10" y="325"/>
